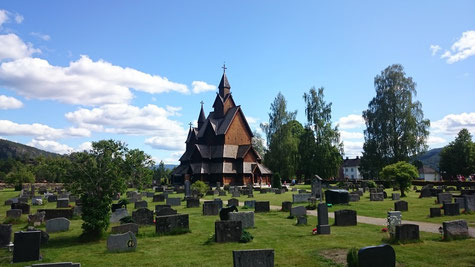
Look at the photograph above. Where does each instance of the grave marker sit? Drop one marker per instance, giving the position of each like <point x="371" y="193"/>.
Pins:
<point x="122" y="242"/>
<point x="57" y="225"/>
<point x="253" y="258"/>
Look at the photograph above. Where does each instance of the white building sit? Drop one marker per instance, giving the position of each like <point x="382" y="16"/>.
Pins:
<point x="426" y="173"/>
<point x="351" y="168"/>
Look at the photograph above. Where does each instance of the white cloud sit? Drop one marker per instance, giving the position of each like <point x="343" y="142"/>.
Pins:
<point x="44" y="37"/>
<point x="19" y="18"/>
<point x="351" y="135"/>
<point x="435" y="140"/>
<point x="166" y="142"/>
<point x="351" y="121"/>
<point x="353" y="149"/>
<point x="40" y="131"/>
<point x="3" y="16"/>
<point x="84" y="146"/>
<point x="51" y="146"/>
<point x="451" y="124"/>
<point x="435" y="49"/>
<point x="12" y="47"/>
<point x="83" y="82"/>
<point x="200" y="87"/>
<point x="462" y="48"/>
<point x="8" y="102"/>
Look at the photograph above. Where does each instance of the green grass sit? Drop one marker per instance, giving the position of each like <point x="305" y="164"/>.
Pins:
<point x="294" y="246"/>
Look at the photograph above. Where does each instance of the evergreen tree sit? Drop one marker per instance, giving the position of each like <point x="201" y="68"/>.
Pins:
<point x="458" y="157"/>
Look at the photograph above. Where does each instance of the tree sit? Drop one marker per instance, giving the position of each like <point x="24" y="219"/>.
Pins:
<point x="258" y="143"/>
<point x="395" y="126"/>
<point x="324" y="155"/>
<point x="276" y="181"/>
<point x="400" y="173"/>
<point x="52" y="169"/>
<point x="458" y="157"/>
<point x="139" y="168"/>
<point x="18" y="176"/>
<point x="278" y="116"/>
<point x="161" y="173"/>
<point x="96" y="177"/>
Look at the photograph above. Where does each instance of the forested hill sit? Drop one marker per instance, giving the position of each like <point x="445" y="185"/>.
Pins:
<point x="9" y="149"/>
<point x="431" y="158"/>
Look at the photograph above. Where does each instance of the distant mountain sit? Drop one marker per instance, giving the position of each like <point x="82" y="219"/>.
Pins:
<point x="167" y="166"/>
<point x="9" y="149"/>
<point x="431" y="158"/>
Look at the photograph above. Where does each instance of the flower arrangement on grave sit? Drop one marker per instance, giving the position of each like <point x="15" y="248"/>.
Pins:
<point x="384" y="230"/>
<point x="314" y="231"/>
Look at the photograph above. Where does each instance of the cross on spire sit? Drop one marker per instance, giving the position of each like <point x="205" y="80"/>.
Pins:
<point x="202" y="103"/>
<point x="191" y="124"/>
<point x="224" y="67"/>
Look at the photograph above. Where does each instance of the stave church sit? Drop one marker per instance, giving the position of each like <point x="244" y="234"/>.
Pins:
<point x="220" y="148"/>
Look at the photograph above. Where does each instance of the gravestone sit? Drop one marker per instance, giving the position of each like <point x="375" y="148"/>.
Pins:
<point x="170" y="223"/>
<point x="435" y="212"/>
<point x="118" y="214"/>
<point x="250" y="203"/>
<point x="192" y="202"/>
<point x="23" y="199"/>
<point x="14" y="213"/>
<point x="236" y="194"/>
<point x="286" y="206"/>
<point x="37" y="201"/>
<point x="187" y="188"/>
<point x="25" y="208"/>
<point x="149" y="194"/>
<point x="245" y="217"/>
<point x="455" y="229"/>
<point x="210" y="208"/>
<point x="451" y="209"/>
<point x="376" y="196"/>
<point x="302" y="191"/>
<point x="58" y="213"/>
<point x="52" y="198"/>
<point x="10" y="201"/>
<point x="158" y="198"/>
<point x="461" y="202"/>
<point x="62" y="203"/>
<point x="444" y="198"/>
<point x="298" y="211"/>
<point x="37" y="218"/>
<point x="57" y="225"/>
<point x="5" y="234"/>
<point x="425" y="192"/>
<point x="395" y="196"/>
<point x="222" y="193"/>
<point x="300" y="198"/>
<point x="227" y="231"/>
<point x="219" y="201"/>
<point x="401" y="205"/>
<point x="317" y="187"/>
<point x="377" y="256"/>
<point x="233" y="202"/>
<point x="394" y="218"/>
<point x="122" y="242"/>
<point x="262" y="206"/>
<point x="142" y="216"/>
<point x="323" y="228"/>
<point x="174" y="201"/>
<point x="353" y="197"/>
<point x="126" y="227"/>
<point x="27" y="246"/>
<point x="337" y="196"/>
<point x="56" y="264"/>
<point x="44" y="236"/>
<point x="345" y="218"/>
<point x="301" y="220"/>
<point x="435" y="191"/>
<point x="159" y="207"/>
<point x="253" y="258"/>
<point x="166" y="211"/>
<point x="407" y="232"/>
<point x="469" y="202"/>
<point x="140" y="204"/>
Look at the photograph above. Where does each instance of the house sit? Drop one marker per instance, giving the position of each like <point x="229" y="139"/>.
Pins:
<point x="426" y="173"/>
<point x="350" y="169"/>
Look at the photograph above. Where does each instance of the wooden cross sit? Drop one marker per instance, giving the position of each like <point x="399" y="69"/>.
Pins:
<point x="191" y="124"/>
<point x="224" y="67"/>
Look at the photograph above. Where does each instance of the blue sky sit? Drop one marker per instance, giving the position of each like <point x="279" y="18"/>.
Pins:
<point x="72" y="72"/>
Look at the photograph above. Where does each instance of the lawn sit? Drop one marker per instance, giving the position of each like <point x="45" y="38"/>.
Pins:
<point x="293" y="245"/>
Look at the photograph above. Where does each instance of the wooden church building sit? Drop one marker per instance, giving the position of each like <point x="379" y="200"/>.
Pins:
<point x="220" y="148"/>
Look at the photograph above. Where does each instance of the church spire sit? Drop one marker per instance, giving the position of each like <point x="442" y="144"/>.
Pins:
<point x="224" y="87"/>
<point x="201" y="117"/>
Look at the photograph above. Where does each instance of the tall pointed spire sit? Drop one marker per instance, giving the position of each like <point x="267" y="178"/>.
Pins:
<point x="202" y="117"/>
<point x="224" y="87"/>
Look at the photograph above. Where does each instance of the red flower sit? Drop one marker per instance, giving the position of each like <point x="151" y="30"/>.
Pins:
<point x="384" y="230"/>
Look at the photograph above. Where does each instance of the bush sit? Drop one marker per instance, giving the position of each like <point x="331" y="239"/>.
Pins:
<point x="246" y="237"/>
<point x="200" y="186"/>
<point x="371" y="184"/>
<point x="276" y="181"/>
<point x="352" y="257"/>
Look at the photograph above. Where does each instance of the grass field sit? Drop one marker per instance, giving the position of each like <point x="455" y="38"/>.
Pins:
<point x="293" y="245"/>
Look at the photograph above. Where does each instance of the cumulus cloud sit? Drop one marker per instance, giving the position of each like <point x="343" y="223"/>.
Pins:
<point x="44" y="37"/>
<point x="12" y="47"/>
<point x="84" y="146"/>
<point x="6" y="15"/>
<point x="353" y="149"/>
<point x="51" y="146"/>
<point x="351" y="121"/>
<point x="18" y="18"/>
<point x="200" y="87"/>
<point x="41" y="131"/>
<point x="351" y="135"/>
<point x="451" y="124"/>
<point x="166" y="142"/>
<point x="435" y="140"/>
<point x="8" y="102"/>
<point x="3" y="16"/>
<point x="463" y="48"/>
<point x="435" y="49"/>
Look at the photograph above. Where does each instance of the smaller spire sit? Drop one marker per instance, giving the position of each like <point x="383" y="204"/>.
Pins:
<point x="224" y="87"/>
<point x="201" y="117"/>
<point x="191" y="124"/>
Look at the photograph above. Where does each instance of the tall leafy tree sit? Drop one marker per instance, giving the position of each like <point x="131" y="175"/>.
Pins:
<point x="395" y="126"/>
<point x="458" y="157"/>
<point x="139" y="168"/>
<point x="161" y="173"/>
<point x="327" y="149"/>
<point x="258" y="143"/>
<point x="278" y="116"/>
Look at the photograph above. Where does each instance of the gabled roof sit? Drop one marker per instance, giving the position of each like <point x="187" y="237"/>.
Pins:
<point x="192" y="133"/>
<point x="224" y="82"/>
<point x="201" y="117"/>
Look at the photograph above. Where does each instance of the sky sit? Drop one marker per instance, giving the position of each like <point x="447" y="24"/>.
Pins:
<point x="74" y="72"/>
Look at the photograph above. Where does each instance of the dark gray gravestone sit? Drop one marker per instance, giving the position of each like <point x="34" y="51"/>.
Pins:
<point x="444" y="198"/>
<point x="126" y="227"/>
<point x="14" y="213"/>
<point x="353" y="197"/>
<point x="166" y="212"/>
<point x="233" y="202"/>
<point x="140" y="204"/>
<point x="323" y="228"/>
<point x="210" y="208"/>
<point x="219" y="201"/>
<point x="174" y="201"/>
<point x="376" y="196"/>
<point x="469" y="202"/>
<point x="407" y="232"/>
<point x="253" y="258"/>
<point x="425" y="192"/>
<point x="377" y="256"/>
<point x="192" y="202"/>
<point x="44" y="235"/>
<point x="158" y="198"/>
<point x="250" y="203"/>
<point x="395" y="196"/>
<point x="301" y="220"/>
<point x="122" y="242"/>
<point x="435" y="212"/>
<point x="56" y="264"/>
<point x="170" y="223"/>
<point x="187" y="188"/>
<point x="461" y="202"/>
<point x="227" y="231"/>
<point x="246" y="218"/>
<point x="62" y="203"/>
<point x="52" y="198"/>
<point x="345" y="218"/>
<point x="118" y="214"/>
<point x="451" y="209"/>
<point x="262" y="206"/>
<point x="455" y="229"/>
<point x="236" y="194"/>
<point x="286" y="206"/>
<point x="222" y="193"/>
<point x="149" y="194"/>
<point x="27" y="246"/>
<point x="300" y="198"/>
<point x="337" y="196"/>
<point x="143" y="216"/>
<point x="5" y="234"/>
<point x="298" y="211"/>
<point x="159" y="207"/>
<point x="317" y="187"/>
<point x="58" y="213"/>
<point x="25" y="208"/>
<point x="401" y="205"/>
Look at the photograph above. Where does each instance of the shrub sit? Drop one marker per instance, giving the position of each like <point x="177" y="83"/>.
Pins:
<point x="200" y="186"/>
<point x="246" y="237"/>
<point x="352" y="257"/>
<point x="371" y="184"/>
<point x="276" y="181"/>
